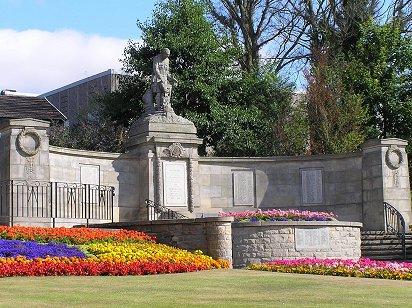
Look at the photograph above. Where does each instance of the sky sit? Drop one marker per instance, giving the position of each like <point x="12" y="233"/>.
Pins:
<point x="46" y="44"/>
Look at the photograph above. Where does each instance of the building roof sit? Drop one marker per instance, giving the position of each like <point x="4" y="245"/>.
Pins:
<point x="20" y="107"/>
<point x="82" y="81"/>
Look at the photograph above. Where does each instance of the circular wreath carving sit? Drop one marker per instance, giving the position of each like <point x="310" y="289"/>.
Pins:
<point x="394" y="157"/>
<point x="174" y="150"/>
<point x="29" y="134"/>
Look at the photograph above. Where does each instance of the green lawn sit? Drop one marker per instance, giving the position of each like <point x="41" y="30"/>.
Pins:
<point x="217" y="288"/>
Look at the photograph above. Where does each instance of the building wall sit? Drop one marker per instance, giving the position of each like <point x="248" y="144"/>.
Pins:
<point x="76" y="97"/>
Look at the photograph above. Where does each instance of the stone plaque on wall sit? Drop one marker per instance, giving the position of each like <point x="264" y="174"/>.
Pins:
<point x="90" y="174"/>
<point x="311" y="186"/>
<point x="243" y="188"/>
<point x="306" y="238"/>
<point x="175" y="183"/>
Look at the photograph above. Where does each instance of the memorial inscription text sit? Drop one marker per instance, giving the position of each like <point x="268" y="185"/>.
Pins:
<point x="175" y="183"/>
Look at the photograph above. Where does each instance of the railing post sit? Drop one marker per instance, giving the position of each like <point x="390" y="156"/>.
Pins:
<point x="403" y="240"/>
<point x="112" y="202"/>
<point x="96" y="201"/>
<point x="395" y="223"/>
<point x="88" y="205"/>
<point x="147" y="209"/>
<point x="53" y="210"/>
<point x="11" y="203"/>
<point x="153" y="209"/>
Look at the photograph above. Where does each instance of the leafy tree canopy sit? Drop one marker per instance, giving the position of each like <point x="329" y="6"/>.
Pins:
<point x="234" y="111"/>
<point x="380" y="70"/>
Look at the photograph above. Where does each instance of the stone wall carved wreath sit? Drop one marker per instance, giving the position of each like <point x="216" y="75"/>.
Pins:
<point x="174" y="150"/>
<point x="394" y="157"/>
<point x="28" y="141"/>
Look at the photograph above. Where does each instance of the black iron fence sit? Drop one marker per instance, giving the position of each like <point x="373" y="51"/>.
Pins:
<point x="55" y="200"/>
<point x="157" y="211"/>
<point x="395" y="224"/>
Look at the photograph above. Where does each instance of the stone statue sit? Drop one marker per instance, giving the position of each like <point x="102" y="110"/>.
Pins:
<point x="161" y="85"/>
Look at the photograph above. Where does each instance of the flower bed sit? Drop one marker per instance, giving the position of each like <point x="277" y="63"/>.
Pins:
<point x="365" y="268"/>
<point x="74" y="236"/>
<point x="28" y="251"/>
<point x="32" y="250"/>
<point x="279" y="215"/>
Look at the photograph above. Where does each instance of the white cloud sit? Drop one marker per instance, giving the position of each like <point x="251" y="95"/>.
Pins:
<point x="38" y="61"/>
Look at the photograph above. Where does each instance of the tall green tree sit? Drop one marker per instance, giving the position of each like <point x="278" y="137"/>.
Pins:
<point x="380" y="70"/>
<point x="251" y="106"/>
<point x="234" y="111"/>
<point x="336" y="115"/>
<point x="197" y="61"/>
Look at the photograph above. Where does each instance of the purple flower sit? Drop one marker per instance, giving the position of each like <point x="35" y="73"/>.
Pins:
<point x="31" y="250"/>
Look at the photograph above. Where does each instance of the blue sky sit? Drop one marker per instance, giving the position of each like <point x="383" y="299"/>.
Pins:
<point x="113" y="18"/>
<point x="45" y="44"/>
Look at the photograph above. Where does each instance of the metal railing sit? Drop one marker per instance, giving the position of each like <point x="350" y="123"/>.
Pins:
<point x="395" y="224"/>
<point x="157" y="211"/>
<point x="55" y="200"/>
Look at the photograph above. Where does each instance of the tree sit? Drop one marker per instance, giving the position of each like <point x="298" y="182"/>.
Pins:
<point x="336" y="116"/>
<point x="400" y="12"/>
<point x="196" y="60"/>
<point x="234" y="111"/>
<point x="380" y="71"/>
<point x="253" y="24"/>
<point x="93" y="131"/>
<point x="250" y="107"/>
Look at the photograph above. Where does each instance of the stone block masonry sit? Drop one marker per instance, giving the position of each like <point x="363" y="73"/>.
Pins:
<point x="211" y="235"/>
<point x="259" y="242"/>
<point x="255" y="242"/>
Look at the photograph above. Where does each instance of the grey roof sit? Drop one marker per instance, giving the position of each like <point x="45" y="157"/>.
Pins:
<point x="20" y="107"/>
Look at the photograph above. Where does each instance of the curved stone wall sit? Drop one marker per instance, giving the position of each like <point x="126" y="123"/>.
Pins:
<point x="254" y="242"/>
<point x="259" y="242"/>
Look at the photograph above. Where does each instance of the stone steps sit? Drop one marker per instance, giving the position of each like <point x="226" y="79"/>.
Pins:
<point x="378" y="245"/>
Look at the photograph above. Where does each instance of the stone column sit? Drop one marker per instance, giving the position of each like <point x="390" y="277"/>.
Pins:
<point x="172" y="140"/>
<point x="24" y="158"/>
<point x="25" y="147"/>
<point x="219" y="238"/>
<point x="385" y="177"/>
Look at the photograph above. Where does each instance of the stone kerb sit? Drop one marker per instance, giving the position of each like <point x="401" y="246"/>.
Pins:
<point x="259" y="242"/>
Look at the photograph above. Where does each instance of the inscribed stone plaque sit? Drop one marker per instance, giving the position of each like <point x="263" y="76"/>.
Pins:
<point x="307" y="238"/>
<point x="243" y="188"/>
<point x="312" y="186"/>
<point x="90" y="174"/>
<point x="175" y="184"/>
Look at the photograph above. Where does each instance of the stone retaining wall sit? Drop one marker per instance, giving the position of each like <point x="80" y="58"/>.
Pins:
<point x="254" y="242"/>
<point x="259" y="242"/>
<point x="213" y="236"/>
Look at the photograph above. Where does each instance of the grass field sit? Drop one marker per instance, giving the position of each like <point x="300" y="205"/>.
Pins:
<point x="216" y="288"/>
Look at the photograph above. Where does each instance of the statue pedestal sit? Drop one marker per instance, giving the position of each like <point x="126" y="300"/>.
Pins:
<point x="161" y="128"/>
<point x="166" y="145"/>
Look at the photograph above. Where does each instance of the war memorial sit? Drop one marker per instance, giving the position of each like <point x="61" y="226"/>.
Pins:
<point x="52" y="186"/>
